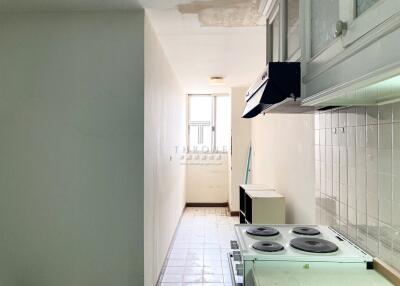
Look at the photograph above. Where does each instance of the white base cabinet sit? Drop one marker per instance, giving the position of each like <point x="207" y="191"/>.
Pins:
<point x="261" y="205"/>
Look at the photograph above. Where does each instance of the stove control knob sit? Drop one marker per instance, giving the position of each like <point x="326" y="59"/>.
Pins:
<point x="234" y="244"/>
<point x="239" y="269"/>
<point x="237" y="256"/>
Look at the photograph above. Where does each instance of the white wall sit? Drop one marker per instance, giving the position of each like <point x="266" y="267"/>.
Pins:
<point x="207" y="178"/>
<point x="71" y="149"/>
<point x="241" y="136"/>
<point x="164" y="197"/>
<point x="283" y="158"/>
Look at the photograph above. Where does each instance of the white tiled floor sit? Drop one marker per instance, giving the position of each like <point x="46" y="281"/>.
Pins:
<point x="199" y="253"/>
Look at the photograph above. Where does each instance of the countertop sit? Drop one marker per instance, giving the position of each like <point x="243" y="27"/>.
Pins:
<point x="251" y="187"/>
<point x="264" y="194"/>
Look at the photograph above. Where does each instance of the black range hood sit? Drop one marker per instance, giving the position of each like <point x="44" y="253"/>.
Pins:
<point x="276" y="90"/>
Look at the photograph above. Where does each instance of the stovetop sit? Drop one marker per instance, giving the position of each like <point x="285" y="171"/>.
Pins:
<point x="296" y="243"/>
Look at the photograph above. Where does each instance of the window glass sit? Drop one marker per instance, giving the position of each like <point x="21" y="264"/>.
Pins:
<point x="209" y="123"/>
<point x="200" y="123"/>
<point x="200" y="108"/>
<point x="222" y="123"/>
<point x="200" y="138"/>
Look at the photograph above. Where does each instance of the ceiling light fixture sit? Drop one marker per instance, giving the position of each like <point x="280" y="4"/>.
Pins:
<point x="216" y="80"/>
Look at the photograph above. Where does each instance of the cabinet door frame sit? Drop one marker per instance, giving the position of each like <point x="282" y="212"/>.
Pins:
<point x="367" y="21"/>
<point x="274" y="12"/>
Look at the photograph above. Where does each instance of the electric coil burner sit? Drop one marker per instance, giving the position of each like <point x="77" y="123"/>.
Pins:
<point x="262" y="231"/>
<point x="268" y="246"/>
<point x="313" y="245"/>
<point x="304" y="230"/>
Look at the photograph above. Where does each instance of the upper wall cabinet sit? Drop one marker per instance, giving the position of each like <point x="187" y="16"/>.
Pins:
<point x="348" y="46"/>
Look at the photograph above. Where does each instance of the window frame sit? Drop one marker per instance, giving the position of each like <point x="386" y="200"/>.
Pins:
<point x="213" y="148"/>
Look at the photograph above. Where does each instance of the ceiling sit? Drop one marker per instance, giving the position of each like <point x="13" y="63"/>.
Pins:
<point x="224" y="38"/>
<point x="66" y="5"/>
<point x="201" y="38"/>
<point x="84" y="5"/>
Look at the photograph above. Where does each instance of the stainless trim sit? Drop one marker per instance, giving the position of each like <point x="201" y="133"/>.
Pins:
<point x="231" y="268"/>
<point x="289" y="105"/>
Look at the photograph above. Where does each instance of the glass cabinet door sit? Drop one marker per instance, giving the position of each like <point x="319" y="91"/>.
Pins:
<point x="324" y="16"/>
<point x="292" y="23"/>
<point x="367" y="15"/>
<point x="364" y="5"/>
<point x="275" y="39"/>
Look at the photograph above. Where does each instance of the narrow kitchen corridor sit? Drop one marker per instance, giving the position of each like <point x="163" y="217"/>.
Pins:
<point x="198" y="255"/>
<point x="199" y="142"/>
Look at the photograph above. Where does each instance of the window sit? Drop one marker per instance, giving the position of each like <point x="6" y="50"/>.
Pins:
<point x="209" y="123"/>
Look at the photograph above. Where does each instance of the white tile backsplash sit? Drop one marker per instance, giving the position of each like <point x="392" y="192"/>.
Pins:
<point x="385" y="211"/>
<point x="396" y="188"/>
<point x="322" y="120"/>
<point x="372" y="136"/>
<point x="385" y="186"/>
<point x="352" y="116"/>
<point x="361" y="136"/>
<point x="396" y="112"/>
<point x="361" y="116"/>
<point x="372" y="115"/>
<point x="343" y="118"/>
<point x="396" y="149"/>
<point x="396" y="215"/>
<point x="372" y="205"/>
<point x="385" y="114"/>
<point x="328" y="120"/>
<point x="372" y="182"/>
<point x="360" y="176"/>
<point x="335" y="119"/>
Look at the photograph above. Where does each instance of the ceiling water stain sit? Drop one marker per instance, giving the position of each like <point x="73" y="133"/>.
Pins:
<point x="225" y="13"/>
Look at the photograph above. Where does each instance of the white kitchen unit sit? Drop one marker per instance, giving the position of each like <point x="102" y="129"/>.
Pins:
<point x="261" y="205"/>
<point x="299" y="255"/>
<point x="349" y="46"/>
<point x="275" y="274"/>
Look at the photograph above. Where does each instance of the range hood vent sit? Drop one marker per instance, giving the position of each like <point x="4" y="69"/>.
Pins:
<point x="276" y="90"/>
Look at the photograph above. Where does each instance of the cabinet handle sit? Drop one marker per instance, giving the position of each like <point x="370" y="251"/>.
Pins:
<point x="341" y="27"/>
